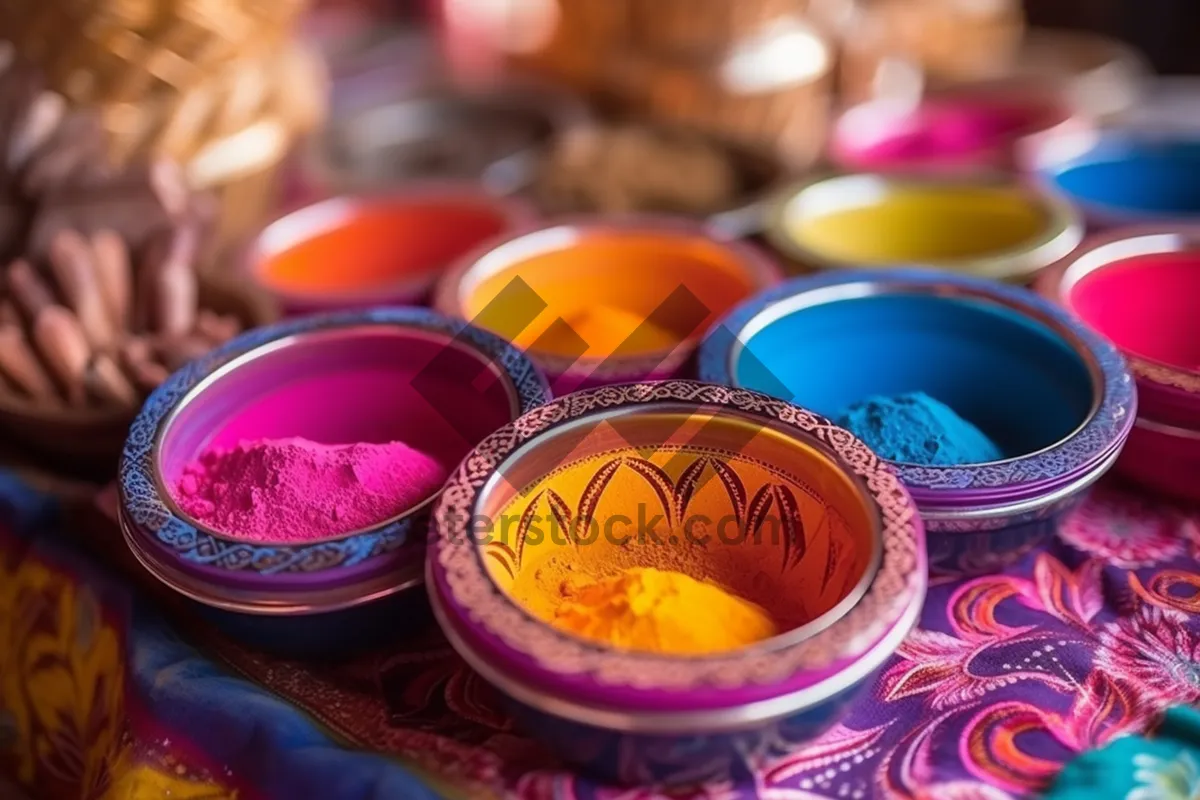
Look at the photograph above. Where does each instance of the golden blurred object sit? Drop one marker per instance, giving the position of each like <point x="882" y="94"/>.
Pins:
<point x="701" y="29"/>
<point x="767" y="86"/>
<point x="106" y="51"/>
<point x="231" y="133"/>
<point x="946" y="40"/>
<point x="241" y="165"/>
<point x="180" y="125"/>
<point x="594" y="24"/>
<point x="771" y="93"/>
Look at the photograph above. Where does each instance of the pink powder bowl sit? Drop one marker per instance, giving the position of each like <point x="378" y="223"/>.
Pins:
<point x="291" y="473"/>
<point x="295" y="490"/>
<point x="986" y="127"/>
<point x="1140" y="287"/>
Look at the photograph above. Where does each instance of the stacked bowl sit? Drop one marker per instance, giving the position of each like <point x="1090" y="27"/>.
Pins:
<point x="1140" y="287"/>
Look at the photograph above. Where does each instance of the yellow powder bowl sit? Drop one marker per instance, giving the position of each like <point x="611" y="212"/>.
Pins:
<point x="671" y="493"/>
<point x="775" y="564"/>
<point x="696" y="504"/>
<point x="992" y="227"/>
<point x="597" y="301"/>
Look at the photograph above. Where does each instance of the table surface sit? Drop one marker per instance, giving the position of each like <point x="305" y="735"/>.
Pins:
<point x="1007" y="678"/>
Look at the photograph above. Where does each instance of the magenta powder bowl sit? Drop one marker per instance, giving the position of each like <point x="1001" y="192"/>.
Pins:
<point x="393" y="374"/>
<point x="971" y="129"/>
<point x="1140" y="287"/>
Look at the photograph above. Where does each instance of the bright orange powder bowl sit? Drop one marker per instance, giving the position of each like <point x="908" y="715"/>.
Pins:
<point x="606" y="301"/>
<point x="352" y="252"/>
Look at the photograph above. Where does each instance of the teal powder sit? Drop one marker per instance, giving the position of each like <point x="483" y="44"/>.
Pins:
<point x="917" y="429"/>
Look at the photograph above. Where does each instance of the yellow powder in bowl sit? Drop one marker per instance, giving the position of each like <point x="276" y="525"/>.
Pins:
<point x="661" y="611"/>
<point x="933" y="224"/>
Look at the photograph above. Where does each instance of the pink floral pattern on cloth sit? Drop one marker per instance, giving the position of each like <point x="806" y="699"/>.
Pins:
<point x="1008" y="677"/>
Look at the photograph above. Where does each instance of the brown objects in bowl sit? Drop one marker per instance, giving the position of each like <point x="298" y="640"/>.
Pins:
<point x="638" y="168"/>
<point x="95" y="326"/>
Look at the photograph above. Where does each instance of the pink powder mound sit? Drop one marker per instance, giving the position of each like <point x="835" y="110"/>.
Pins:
<point x="294" y="490"/>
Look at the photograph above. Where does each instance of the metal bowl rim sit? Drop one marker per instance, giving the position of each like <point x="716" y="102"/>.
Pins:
<point x="719" y="355"/>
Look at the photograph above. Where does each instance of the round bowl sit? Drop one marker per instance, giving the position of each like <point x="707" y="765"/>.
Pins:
<point x="375" y="376"/>
<point x="988" y="227"/>
<point x="725" y="485"/>
<point x="390" y="249"/>
<point x="597" y="300"/>
<point x="1140" y="288"/>
<point x="1122" y="177"/>
<point x="1163" y="458"/>
<point x="88" y="441"/>
<point x="981" y="127"/>
<point x="1055" y="397"/>
<point x="384" y="134"/>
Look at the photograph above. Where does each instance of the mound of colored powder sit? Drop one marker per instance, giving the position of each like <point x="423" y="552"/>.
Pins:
<point x="294" y="490"/>
<point x="917" y="429"/>
<point x="660" y="611"/>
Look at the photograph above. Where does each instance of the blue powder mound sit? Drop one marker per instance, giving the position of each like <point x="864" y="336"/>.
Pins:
<point x="916" y="429"/>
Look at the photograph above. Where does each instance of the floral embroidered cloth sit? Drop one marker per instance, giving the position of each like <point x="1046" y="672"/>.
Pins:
<point x="1009" y="678"/>
<point x="1165" y="766"/>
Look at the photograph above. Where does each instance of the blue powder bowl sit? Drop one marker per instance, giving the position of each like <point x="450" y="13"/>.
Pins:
<point x="1056" y="398"/>
<point x="1125" y="176"/>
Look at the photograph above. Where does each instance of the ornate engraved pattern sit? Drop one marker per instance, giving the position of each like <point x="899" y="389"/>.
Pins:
<point x="155" y="519"/>
<point x="674" y="498"/>
<point x="480" y="604"/>
<point x="1188" y="381"/>
<point x="1110" y="423"/>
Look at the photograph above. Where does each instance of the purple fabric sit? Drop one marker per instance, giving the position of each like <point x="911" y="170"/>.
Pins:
<point x="1008" y="678"/>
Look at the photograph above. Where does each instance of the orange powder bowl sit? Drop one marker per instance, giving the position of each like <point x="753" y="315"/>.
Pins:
<point x="359" y="251"/>
<point x="597" y="300"/>
<point x="772" y="503"/>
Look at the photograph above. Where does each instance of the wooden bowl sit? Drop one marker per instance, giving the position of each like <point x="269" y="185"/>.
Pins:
<point x="88" y="441"/>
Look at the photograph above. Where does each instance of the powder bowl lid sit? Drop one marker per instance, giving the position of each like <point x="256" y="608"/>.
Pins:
<point x="614" y="688"/>
<point x="282" y="579"/>
<point x="1032" y="478"/>
<point x="1173" y="389"/>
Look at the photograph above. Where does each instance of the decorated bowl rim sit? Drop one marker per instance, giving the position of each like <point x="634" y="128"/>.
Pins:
<point x="1114" y="401"/>
<point x="1062" y="232"/>
<point x="545" y="656"/>
<point x="1099" y="252"/>
<point x="708" y="720"/>
<point x="751" y="261"/>
<point x="153" y="514"/>
<point x="1057" y="153"/>
<point x="299" y="225"/>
